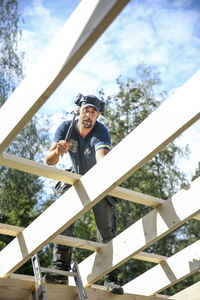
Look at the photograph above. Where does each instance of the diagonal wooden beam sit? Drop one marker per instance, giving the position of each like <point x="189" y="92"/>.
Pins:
<point x="175" y="268"/>
<point x="190" y="293"/>
<point x="88" y="21"/>
<point x="156" y="224"/>
<point x="148" y="139"/>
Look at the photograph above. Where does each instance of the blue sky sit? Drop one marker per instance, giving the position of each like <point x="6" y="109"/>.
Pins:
<point x="164" y="34"/>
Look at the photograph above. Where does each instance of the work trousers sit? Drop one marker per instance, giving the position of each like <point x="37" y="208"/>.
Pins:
<point x="105" y="218"/>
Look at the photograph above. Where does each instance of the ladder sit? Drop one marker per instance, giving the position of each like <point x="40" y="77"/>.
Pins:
<point x="40" y="292"/>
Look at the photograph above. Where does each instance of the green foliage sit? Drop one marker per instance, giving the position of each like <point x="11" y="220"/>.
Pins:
<point x="197" y="172"/>
<point x="136" y="99"/>
<point x="21" y="194"/>
<point x="11" y="59"/>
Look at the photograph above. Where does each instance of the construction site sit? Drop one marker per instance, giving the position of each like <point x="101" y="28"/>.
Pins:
<point x="91" y="18"/>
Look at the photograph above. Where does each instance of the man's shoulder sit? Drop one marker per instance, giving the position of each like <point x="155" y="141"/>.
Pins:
<point x="100" y="126"/>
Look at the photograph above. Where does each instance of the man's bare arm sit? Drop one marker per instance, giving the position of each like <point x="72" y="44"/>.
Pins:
<point x="54" y="152"/>
<point x="101" y="153"/>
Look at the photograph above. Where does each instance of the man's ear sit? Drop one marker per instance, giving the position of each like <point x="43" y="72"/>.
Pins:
<point x="79" y="109"/>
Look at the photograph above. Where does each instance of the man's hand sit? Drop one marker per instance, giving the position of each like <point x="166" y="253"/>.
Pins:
<point x="62" y="147"/>
<point x="57" y="149"/>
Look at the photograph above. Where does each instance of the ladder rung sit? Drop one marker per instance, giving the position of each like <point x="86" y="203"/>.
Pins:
<point x="60" y="272"/>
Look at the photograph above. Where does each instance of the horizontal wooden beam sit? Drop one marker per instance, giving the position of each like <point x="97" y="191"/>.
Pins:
<point x="79" y="243"/>
<point x="36" y="168"/>
<point x="10" y="229"/>
<point x="150" y="257"/>
<point x="19" y="287"/>
<point x="88" y="21"/>
<point x="39" y="169"/>
<point x="146" y="231"/>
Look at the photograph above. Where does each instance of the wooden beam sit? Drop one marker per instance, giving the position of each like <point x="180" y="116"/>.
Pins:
<point x="36" y="168"/>
<point x="173" y="269"/>
<point x="150" y="257"/>
<point x="10" y="229"/>
<point x="88" y="21"/>
<point x="79" y="243"/>
<point x="19" y="287"/>
<point x="26" y="165"/>
<point x="146" y="231"/>
<point x="190" y="293"/>
<point x="148" y="139"/>
<point x="39" y="169"/>
<point x="16" y="289"/>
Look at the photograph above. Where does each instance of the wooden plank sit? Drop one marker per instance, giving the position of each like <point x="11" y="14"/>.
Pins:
<point x="146" y="231"/>
<point x="10" y="229"/>
<point x="79" y="243"/>
<point x="148" y="139"/>
<point x="16" y="289"/>
<point x="88" y="21"/>
<point x="190" y="293"/>
<point x="19" y="288"/>
<point x="39" y="169"/>
<point x="173" y="269"/>
<point x="150" y="257"/>
<point x="36" y="168"/>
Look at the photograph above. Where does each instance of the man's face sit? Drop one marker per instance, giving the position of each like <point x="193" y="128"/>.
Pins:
<point x="88" y="117"/>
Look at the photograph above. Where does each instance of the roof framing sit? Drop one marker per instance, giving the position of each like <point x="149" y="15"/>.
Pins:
<point x="175" y="115"/>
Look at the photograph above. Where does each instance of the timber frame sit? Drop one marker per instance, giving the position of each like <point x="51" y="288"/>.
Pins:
<point x="174" y="116"/>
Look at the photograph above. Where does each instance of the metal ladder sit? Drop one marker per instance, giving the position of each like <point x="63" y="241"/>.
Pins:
<point x="40" y="292"/>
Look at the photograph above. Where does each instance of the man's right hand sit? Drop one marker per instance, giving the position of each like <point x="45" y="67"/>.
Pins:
<point x="62" y="147"/>
<point x="57" y="149"/>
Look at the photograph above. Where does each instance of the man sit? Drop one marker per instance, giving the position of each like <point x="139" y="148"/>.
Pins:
<point x="89" y="142"/>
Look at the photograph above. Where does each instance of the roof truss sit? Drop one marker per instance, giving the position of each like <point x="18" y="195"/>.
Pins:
<point x="175" y="115"/>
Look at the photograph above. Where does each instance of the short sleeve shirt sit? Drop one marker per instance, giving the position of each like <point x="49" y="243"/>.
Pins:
<point x="83" y="149"/>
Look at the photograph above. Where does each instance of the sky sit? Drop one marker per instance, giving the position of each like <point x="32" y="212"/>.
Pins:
<point x="164" y="34"/>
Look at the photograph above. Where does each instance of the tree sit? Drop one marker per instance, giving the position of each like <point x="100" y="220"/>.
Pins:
<point x="136" y="99"/>
<point x="21" y="194"/>
<point x="11" y="60"/>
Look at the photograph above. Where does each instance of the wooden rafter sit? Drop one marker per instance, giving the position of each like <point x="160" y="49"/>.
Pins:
<point x="173" y="269"/>
<point x="146" y="231"/>
<point x="176" y="114"/>
<point x="190" y="293"/>
<point x="19" y="287"/>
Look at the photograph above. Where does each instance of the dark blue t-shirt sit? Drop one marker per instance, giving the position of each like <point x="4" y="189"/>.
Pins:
<point x="83" y="149"/>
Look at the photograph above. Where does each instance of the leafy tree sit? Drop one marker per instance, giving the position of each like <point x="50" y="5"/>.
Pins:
<point x="21" y="194"/>
<point x="136" y="99"/>
<point x="197" y="172"/>
<point x="11" y="59"/>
